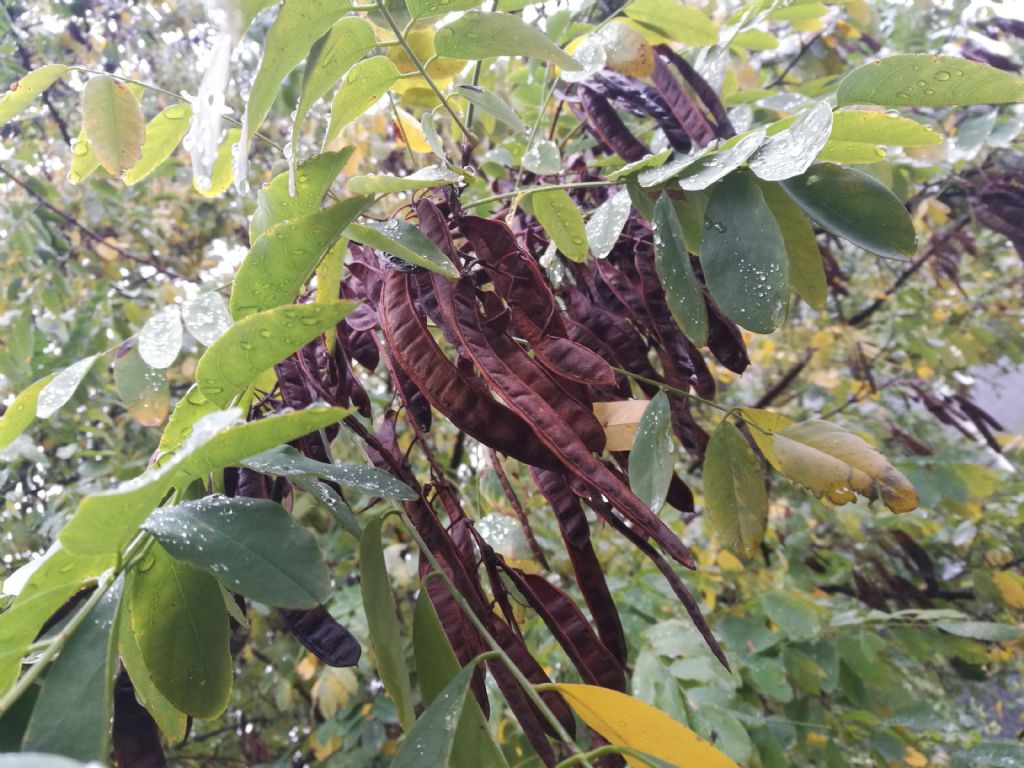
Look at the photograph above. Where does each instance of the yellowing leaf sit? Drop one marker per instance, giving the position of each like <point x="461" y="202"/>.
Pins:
<point x="620" y="420"/>
<point x="914" y="759"/>
<point x="1011" y="588"/>
<point x="411" y="132"/>
<point x="763" y="425"/>
<point x="629" y="722"/>
<point x="113" y="121"/>
<point x="836" y="464"/>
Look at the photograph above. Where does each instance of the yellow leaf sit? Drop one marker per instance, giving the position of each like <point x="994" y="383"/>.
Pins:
<point x="727" y="561"/>
<point x="763" y="425"/>
<point x="1011" y="588"/>
<point x="410" y="130"/>
<point x="816" y="739"/>
<point x="629" y="722"/>
<point x="333" y="690"/>
<point x="620" y="420"/>
<point x="627" y="50"/>
<point x="914" y="759"/>
<point x="324" y="749"/>
<point x="836" y="464"/>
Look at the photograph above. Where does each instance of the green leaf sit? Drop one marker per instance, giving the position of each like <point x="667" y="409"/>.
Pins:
<point x="143" y="390"/>
<point x="422" y="9"/>
<point x="988" y="631"/>
<point x="477" y="35"/>
<point x="331" y="57"/>
<point x="850" y="152"/>
<point x="22" y="412"/>
<point x="403" y="240"/>
<point x="923" y="80"/>
<point x="706" y="170"/>
<point x="385" y="632"/>
<point x="285" y="461"/>
<point x="61" y="387"/>
<point x="562" y="221"/>
<point x="83" y="159"/>
<point x="40" y="760"/>
<point x="298" y="25"/>
<point x="488" y="102"/>
<point x="431" y="739"/>
<point x="768" y="676"/>
<point x="605" y="224"/>
<point x="50" y="585"/>
<point x="206" y="317"/>
<point x="856" y="207"/>
<point x="275" y="202"/>
<point x="181" y="625"/>
<point x="424" y="178"/>
<point x="252" y="546"/>
<point x="756" y="40"/>
<point x="163" y="134"/>
<point x="159" y="340"/>
<point x="436" y="666"/>
<point x="674" y="20"/>
<point x="796" y="615"/>
<point x="260" y="341"/>
<point x="791" y="151"/>
<point x="72" y="714"/>
<point x="223" y="169"/>
<point x="652" y="456"/>
<point x="105" y="522"/>
<point x="113" y="122"/>
<point x="543" y="158"/>
<point x="647" y="162"/>
<point x="744" y="256"/>
<point x="806" y="268"/>
<point x="683" y="293"/>
<point x="24" y="92"/>
<point x="734" y="490"/>
<point x="882" y="128"/>
<point x="366" y="82"/>
<point x="283" y="258"/>
<point x="192" y="407"/>
<point x="169" y="719"/>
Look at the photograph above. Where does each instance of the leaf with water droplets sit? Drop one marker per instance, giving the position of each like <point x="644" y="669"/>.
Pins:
<point x="855" y="206"/>
<point x="922" y="80"/>
<point x="744" y="256"/>
<point x="607" y="222"/>
<point x="366" y="82"/>
<point x="543" y="158"/>
<point x="492" y="104"/>
<point x="405" y="241"/>
<point x="683" y="293"/>
<point x="160" y="338"/>
<point x="163" y="134"/>
<point x="71" y="716"/>
<point x="260" y="341"/>
<point x="113" y="120"/>
<point x="562" y="221"/>
<point x="424" y="178"/>
<point x="61" y="387"/>
<point x="675" y="20"/>
<point x="83" y="159"/>
<point x="283" y="258"/>
<point x="734" y="490"/>
<point x="477" y="35"/>
<point x="648" y="162"/>
<point x="22" y="412"/>
<point x="713" y="166"/>
<point x="285" y="461"/>
<point x="430" y="741"/>
<point x="285" y="198"/>
<point x="252" y="546"/>
<point x="791" y="151"/>
<point x="806" y="268"/>
<point x="206" y="317"/>
<point x="382" y="623"/>
<point x="143" y="389"/>
<point x="652" y="456"/>
<point x="190" y="408"/>
<point x="882" y="128"/>
<point x="24" y="92"/>
<point x="181" y="624"/>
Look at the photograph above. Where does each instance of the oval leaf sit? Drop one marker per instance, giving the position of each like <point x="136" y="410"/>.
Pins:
<point x="605" y="225"/>
<point x="562" y="221"/>
<point x="431" y="739"/>
<point x="61" y="387"/>
<point x="652" y="456"/>
<point x="252" y="546"/>
<point x="24" y="92"/>
<point x="713" y="166"/>
<point x="366" y="82"/>
<point x="806" y="268"/>
<point x="882" y="128"/>
<point x="285" y="461"/>
<point x="488" y="102"/>
<point x="921" y="80"/>
<point x="744" y="256"/>
<point x="477" y="35"/>
<point x="259" y="342"/>
<point x="629" y="722"/>
<point x="856" y="207"/>
<point x="683" y="293"/>
<point x="405" y="241"/>
<point x="22" y="412"/>
<point x="113" y="122"/>
<point x="206" y="317"/>
<point x="385" y="632"/>
<point x="143" y="389"/>
<point x="163" y="134"/>
<point x="424" y="178"/>
<point x="734" y="490"/>
<point x="160" y="338"/>
<point x="286" y="198"/>
<point x="181" y="624"/>
<point x="791" y="151"/>
<point x="836" y="464"/>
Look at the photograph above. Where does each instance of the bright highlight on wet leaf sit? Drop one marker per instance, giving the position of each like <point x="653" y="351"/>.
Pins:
<point x="562" y="221"/>
<point x="837" y="465"/>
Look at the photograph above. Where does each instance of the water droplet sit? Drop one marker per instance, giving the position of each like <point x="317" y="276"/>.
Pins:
<point x="922" y="83"/>
<point x="942" y="75"/>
